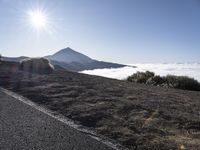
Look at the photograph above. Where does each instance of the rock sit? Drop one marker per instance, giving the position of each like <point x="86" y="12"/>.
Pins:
<point x="36" y="65"/>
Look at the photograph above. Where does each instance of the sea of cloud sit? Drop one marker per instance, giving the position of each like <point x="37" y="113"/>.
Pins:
<point x="186" y="69"/>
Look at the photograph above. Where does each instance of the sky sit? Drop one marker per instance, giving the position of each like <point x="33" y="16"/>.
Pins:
<point x="123" y="31"/>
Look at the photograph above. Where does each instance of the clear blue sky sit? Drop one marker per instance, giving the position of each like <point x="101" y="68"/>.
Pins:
<point x="123" y="31"/>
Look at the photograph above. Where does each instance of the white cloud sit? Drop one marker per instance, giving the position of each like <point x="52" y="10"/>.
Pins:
<point x="191" y="70"/>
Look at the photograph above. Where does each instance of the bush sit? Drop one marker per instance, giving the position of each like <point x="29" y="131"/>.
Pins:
<point x="170" y="81"/>
<point x="182" y="82"/>
<point x="156" y="80"/>
<point x="140" y="77"/>
<point x="36" y="65"/>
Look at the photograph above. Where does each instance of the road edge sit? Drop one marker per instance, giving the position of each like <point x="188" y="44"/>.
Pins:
<point x="104" y="140"/>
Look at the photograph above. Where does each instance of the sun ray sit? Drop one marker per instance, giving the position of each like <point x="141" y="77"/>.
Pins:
<point x="38" y="19"/>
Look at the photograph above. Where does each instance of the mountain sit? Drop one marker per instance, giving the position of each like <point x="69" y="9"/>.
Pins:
<point x="75" y="61"/>
<point x="72" y="60"/>
<point x="69" y="55"/>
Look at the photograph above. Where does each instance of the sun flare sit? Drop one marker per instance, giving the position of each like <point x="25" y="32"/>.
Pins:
<point x="38" y="19"/>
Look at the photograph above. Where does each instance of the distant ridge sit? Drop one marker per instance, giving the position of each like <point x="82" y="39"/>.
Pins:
<point x="14" y="59"/>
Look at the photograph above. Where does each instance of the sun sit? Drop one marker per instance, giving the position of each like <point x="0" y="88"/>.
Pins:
<point x="38" y="19"/>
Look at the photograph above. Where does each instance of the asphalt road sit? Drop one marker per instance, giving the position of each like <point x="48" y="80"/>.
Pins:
<point x="23" y="127"/>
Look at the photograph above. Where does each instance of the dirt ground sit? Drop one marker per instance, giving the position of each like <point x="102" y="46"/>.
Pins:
<point x="137" y="116"/>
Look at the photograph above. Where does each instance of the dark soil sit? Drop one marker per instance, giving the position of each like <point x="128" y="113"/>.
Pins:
<point x="136" y="115"/>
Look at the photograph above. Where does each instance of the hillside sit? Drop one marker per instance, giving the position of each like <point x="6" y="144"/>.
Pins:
<point x="137" y="116"/>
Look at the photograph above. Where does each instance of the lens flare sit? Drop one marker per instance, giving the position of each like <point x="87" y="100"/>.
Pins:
<point x="38" y="19"/>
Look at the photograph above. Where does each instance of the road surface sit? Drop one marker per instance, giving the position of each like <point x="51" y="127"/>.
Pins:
<point x="23" y="127"/>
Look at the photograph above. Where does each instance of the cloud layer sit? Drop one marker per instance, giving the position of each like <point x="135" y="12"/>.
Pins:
<point x="190" y="69"/>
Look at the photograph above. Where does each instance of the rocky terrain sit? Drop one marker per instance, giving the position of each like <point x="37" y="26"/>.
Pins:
<point x="138" y="116"/>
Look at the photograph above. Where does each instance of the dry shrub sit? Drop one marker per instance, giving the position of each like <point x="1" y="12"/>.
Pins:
<point x="170" y="81"/>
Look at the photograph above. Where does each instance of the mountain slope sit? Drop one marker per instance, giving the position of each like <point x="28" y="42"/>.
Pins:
<point x="75" y="66"/>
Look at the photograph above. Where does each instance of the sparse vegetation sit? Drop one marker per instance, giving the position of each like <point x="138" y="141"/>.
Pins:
<point x="170" y="81"/>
